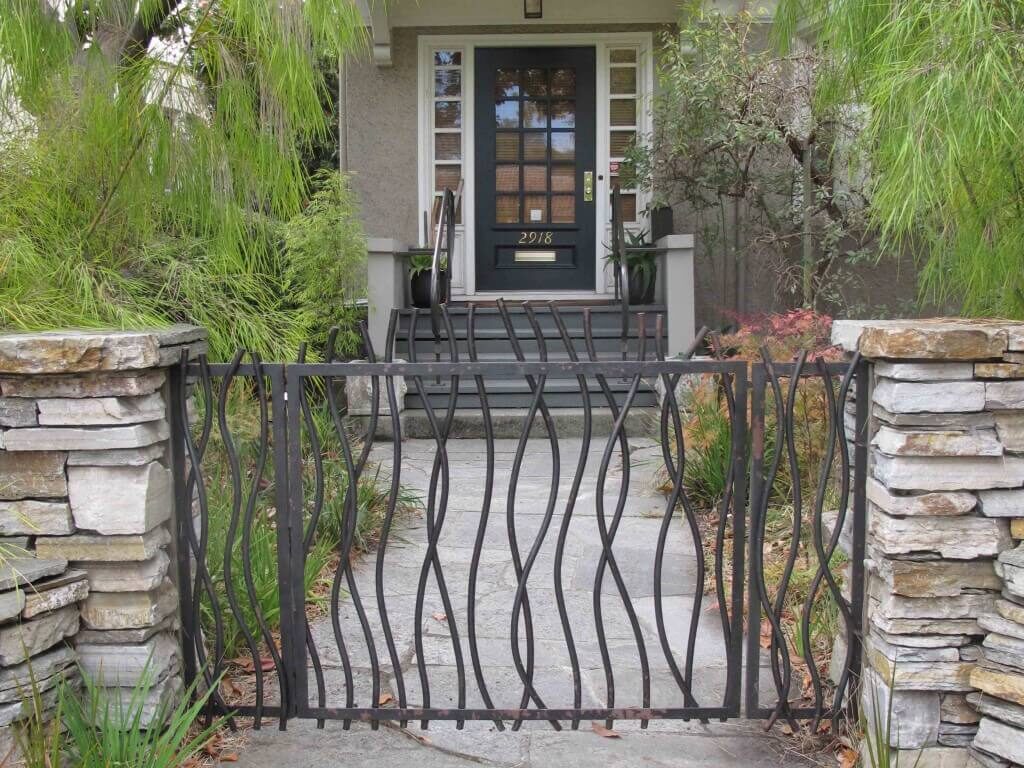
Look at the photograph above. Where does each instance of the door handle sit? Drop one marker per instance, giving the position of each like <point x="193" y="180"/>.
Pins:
<point x="588" y="187"/>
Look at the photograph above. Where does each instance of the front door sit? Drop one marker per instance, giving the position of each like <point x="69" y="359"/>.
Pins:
<point x="535" y="161"/>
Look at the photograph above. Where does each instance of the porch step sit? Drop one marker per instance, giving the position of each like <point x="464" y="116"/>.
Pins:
<point x="493" y="345"/>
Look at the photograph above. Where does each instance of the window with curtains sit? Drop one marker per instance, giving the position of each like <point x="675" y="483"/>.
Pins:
<point x="446" y="123"/>
<point x="623" y="117"/>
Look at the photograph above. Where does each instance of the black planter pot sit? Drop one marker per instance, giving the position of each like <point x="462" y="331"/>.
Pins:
<point x="661" y="222"/>
<point x="420" y="288"/>
<point x="641" y="291"/>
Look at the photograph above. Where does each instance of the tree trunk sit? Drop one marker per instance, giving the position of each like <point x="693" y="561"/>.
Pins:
<point x="807" y="262"/>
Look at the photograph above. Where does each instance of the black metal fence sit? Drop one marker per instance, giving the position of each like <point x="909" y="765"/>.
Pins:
<point x="501" y="594"/>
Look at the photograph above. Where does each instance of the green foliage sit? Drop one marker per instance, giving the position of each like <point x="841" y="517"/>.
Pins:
<point x="108" y="732"/>
<point x="325" y="252"/>
<point x="142" y="185"/>
<point x="733" y="123"/>
<point x="422" y="262"/>
<point x="90" y="728"/>
<point x="941" y="86"/>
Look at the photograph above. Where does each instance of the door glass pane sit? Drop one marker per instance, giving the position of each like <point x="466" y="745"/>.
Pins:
<point x="535" y="146"/>
<point x="506" y="178"/>
<point x="623" y="56"/>
<point x="623" y="112"/>
<point x="506" y="114"/>
<point x="563" y="209"/>
<point x="535" y="178"/>
<point x="506" y="84"/>
<point x="629" y="207"/>
<point x="623" y="79"/>
<point x="507" y="209"/>
<point x="447" y="82"/>
<point x="563" y="114"/>
<point x="535" y="83"/>
<point x="447" y="177"/>
<point x="563" y="179"/>
<point x="506" y="147"/>
<point x="535" y="114"/>
<point x="563" y="146"/>
<point x="536" y="209"/>
<point x="448" y="58"/>
<point x="447" y="146"/>
<point x="621" y="141"/>
<point x="563" y="82"/>
<point x="448" y="114"/>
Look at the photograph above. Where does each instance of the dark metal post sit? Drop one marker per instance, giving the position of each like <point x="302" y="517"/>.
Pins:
<point x="295" y="571"/>
<point x="176" y="407"/>
<point x="739" y="520"/>
<point x="279" y="423"/>
<point x="860" y="479"/>
<point x="757" y="437"/>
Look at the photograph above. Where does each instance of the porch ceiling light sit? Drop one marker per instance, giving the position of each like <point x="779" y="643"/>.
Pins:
<point x="533" y="9"/>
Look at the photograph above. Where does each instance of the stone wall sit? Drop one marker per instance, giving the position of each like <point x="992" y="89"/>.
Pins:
<point x="945" y="614"/>
<point x="85" y="504"/>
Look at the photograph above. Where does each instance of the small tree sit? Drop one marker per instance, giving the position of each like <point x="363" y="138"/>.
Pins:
<point x="941" y="83"/>
<point x="153" y="152"/>
<point x="736" y="142"/>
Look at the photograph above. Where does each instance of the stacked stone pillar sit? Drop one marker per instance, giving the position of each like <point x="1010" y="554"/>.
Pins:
<point x="944" y="637"/>
<point x="86" y="493"/>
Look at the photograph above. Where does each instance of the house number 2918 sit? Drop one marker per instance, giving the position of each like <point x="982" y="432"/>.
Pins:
<point x="536" y="238"/>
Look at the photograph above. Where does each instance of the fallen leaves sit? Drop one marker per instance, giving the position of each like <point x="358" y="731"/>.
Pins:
<point x="440" y="617"/>
<point x="385" y="699"/>
<point x="846" y="757"/>
<point x="606" y="733"/>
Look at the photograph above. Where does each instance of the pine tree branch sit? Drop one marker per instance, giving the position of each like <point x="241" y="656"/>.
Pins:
<point x="143" y="30"/>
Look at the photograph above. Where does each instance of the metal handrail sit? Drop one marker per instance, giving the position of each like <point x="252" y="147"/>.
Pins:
<point x="619" y="256"/>
<point x="444" y="241"/>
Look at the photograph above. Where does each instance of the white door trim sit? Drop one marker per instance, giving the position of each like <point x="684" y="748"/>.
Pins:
<point x="602" y="42"/>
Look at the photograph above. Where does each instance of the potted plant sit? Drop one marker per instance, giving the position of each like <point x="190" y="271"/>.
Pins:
<point x="641" y="266"/>
<point x="419" y="278"/>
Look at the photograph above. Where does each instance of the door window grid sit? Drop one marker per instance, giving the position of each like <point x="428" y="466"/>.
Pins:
<point x="623" y="112"/>
<point x="446" y="125"/>
<point x="535" y="122"/>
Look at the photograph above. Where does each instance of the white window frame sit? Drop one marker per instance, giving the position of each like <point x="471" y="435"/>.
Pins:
<point x="464" y="270"/>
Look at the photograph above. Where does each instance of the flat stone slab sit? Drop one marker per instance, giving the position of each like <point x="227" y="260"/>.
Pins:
<point x="11" y="604"/>
<point x="999" y="683"/>
<point x="33" y="518"/>
<point x="997" y="708"/>
<point x="33" y="474"/>
<point x="77" y="351"/>
<point x="129" y="610"/>
<point x="955" y="538"/>
<point x="925" y="339"/>
<point x="19" y="642"/>
<point x="86" y="438"/>
<point x="120" y="500"/>
<point x="92" y="548"/>
<point x="130" y="576"/>
<point x="903" y="442"/>
<point x="126" y="665"/>
<point x="101" y="411"/>
<point x="918" y="397"/>
<point x="943" y="473"/>
<point x="998" y="738"/>
<point x="19" y="571"/>
<point x="126" y="636"/>
<point x="1002" y="503"/>
<point x="122" y="457"/>
<point x="936" y="578"/>
<point x="89" y="385"/>
<point x="53" y="594"/>
<point x="43" y="668"/>
<point x="925" y="371"/>
<point x="950" y="504"/>
<point x="17" y="413"/>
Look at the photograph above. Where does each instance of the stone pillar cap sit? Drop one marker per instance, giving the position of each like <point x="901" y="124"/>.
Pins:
<point x="91" y="350"/>
<point x="937" y="338"/>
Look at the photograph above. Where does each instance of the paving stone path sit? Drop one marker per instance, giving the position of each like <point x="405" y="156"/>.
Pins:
<point x="664" y="743"/>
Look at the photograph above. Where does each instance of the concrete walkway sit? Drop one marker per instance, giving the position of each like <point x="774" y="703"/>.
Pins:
<point x="664" y="743"/>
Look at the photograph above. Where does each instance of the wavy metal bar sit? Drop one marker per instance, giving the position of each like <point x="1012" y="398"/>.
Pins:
<point x="521" y="603"/>
<point x="259" y="471"/>
<point x="210" y="667"/>
<point x="676" y="468"/>
<point x="570" y="505"/>
<point x="607" y="533"/>
<point x="779" y="650"/>
<point x="437" y="505"/>
<point x="351" y="506"/>
<point x="235" y="473"/>
<point x="314" y="519"/>
<point x="389" y="514"/>
<point x="485" y="511"/>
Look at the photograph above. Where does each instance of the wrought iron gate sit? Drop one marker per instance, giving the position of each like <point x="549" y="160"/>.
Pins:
<point x="273" y="474"/>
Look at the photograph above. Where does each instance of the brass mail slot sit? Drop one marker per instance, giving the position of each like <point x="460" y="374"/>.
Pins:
<point x="536" y="256"/>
